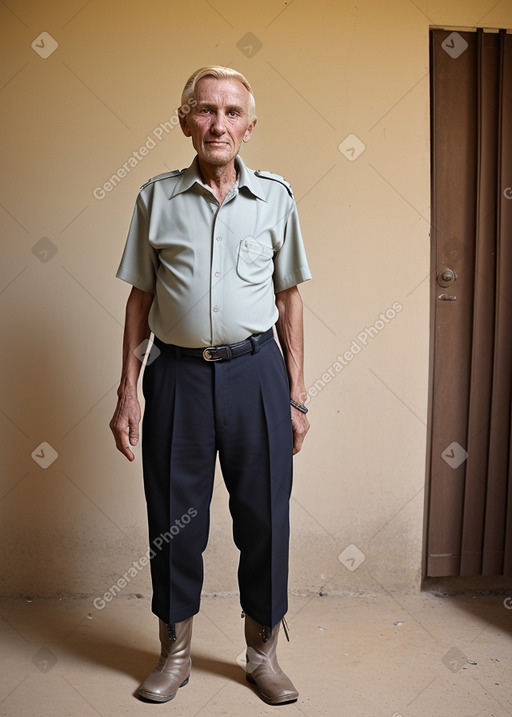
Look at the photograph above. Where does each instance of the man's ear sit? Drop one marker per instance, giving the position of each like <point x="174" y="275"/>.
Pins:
<point x="183" y="122"/>
<point x="249" y="130"/>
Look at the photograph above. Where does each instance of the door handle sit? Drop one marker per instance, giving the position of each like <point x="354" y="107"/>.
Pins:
<point x="446" y="277"/>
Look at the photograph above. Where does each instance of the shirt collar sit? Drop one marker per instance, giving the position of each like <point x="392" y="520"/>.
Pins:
<point x="247" y="178"/>
<point x="192" y="176"/>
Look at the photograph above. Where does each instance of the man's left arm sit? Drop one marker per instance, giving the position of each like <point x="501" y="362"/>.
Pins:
<point x="290" y="331"/>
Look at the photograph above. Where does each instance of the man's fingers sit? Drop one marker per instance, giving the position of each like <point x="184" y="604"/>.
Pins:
<point x="123" y="442"/>
<point x="126" y="450"/>
<point x="298" y="440"/>
<point x="124" y="445"/>
<point x="133" y="439"/>
<point x="125" y="427"/>
<point x="300" y="426"/>
<point x="133" y="433"/>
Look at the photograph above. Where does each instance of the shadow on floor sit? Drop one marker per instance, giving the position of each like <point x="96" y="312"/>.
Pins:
<point x="123" y="657"/>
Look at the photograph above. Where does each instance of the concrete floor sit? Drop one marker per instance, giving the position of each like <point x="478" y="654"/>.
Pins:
<point x="425" y="655"/>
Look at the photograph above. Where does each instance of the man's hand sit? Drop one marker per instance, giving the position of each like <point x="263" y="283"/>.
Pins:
<point x="125" y="421"/>
<point x="291" y="337"/>
<point x="125" y="424"/>
<point x="300" y="426"/>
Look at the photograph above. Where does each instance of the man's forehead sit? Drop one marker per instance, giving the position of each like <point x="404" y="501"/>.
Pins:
<point x="220" y="89"/>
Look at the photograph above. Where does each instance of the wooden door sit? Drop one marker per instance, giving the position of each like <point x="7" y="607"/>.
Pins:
<point x="469" y="497"/>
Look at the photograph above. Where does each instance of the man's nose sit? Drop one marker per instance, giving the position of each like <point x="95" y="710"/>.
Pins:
<point x="218" y="125"/>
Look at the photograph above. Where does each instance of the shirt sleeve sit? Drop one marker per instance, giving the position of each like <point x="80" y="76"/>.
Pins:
<point x="290" y="262"/>
<point x="139" y="263"/>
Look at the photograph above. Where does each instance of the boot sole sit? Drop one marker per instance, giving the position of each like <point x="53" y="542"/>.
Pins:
<point x="269" y="700"/>
<point x="153" y="697"/>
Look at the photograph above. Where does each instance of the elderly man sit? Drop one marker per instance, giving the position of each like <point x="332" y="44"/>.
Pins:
<point x="214" y="255"/>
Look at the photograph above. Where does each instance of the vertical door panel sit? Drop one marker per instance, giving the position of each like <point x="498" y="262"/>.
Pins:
<point x="453" y="229"/>
<point x="469" y="511"/>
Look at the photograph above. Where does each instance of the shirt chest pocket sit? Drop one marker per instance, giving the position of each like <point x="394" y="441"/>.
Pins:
<point x="255" y="261"/>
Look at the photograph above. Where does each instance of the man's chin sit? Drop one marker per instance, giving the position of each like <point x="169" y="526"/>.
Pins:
<point x="218" y="157"/>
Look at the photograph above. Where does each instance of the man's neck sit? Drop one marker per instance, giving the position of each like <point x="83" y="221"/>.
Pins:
<point x="218" y="179"/>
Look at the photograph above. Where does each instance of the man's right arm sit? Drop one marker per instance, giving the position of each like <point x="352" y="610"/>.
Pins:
<point x="125" y="421"/>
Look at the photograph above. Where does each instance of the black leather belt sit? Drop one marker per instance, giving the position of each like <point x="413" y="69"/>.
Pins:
<point x="228" y="351"/>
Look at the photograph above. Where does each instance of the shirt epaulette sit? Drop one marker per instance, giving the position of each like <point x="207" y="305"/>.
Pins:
<point x="275" y="178"/>
<point x="164" y="175"/>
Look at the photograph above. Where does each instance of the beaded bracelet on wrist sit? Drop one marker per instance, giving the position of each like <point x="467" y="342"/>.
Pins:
<point x="298" y="406"/>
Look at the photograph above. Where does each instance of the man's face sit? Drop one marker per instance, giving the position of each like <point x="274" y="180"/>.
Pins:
<point x="219" y="121"/>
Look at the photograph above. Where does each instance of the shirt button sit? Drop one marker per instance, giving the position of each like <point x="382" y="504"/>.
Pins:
<point x="217" y="273"/>
<point x="218" y="238"/>
<point x="215" y="308"/>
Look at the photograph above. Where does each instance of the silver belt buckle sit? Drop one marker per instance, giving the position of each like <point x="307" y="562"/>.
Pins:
<point x="208" y="356"/>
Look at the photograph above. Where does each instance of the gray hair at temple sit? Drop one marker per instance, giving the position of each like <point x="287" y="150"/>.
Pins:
<point x="220" y="73"/>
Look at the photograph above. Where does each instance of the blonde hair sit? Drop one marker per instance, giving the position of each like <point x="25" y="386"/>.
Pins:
<point x="220" y="73"/>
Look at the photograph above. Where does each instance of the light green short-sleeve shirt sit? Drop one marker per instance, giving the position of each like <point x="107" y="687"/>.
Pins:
<point x="213" y="269"/>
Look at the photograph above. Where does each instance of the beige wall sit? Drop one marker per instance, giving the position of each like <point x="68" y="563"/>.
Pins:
<point x="325" y="70"/>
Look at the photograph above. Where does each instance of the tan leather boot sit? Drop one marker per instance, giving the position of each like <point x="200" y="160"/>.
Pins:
<point x="173" y="669"/>
<point x="262" y="668"/>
